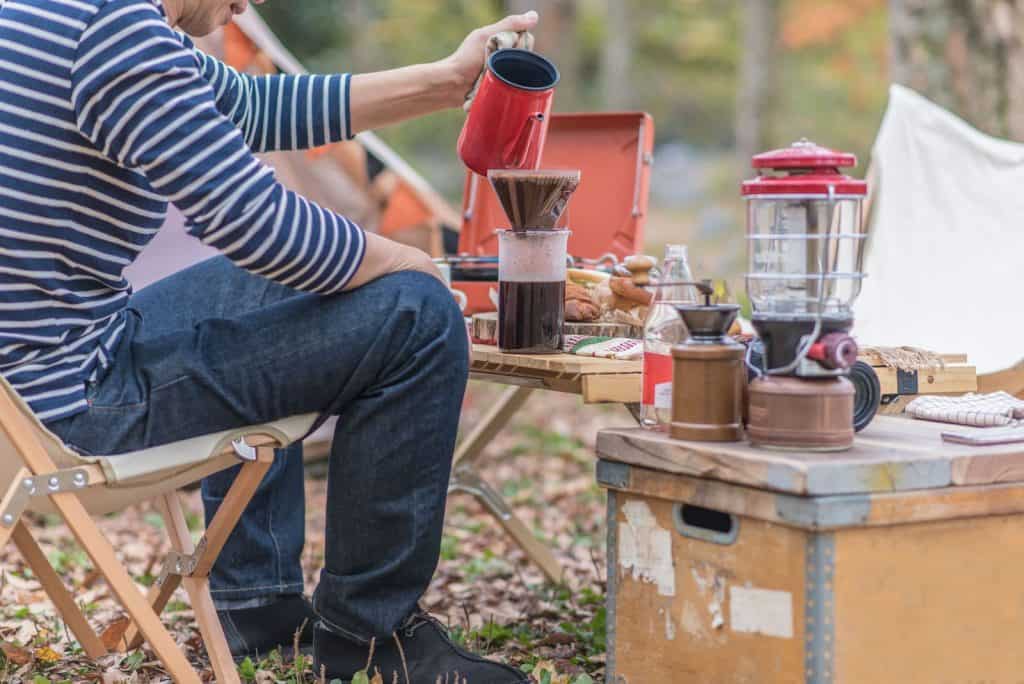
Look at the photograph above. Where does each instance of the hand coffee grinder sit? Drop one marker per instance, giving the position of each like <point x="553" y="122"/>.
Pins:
<point x="805" y="247"/>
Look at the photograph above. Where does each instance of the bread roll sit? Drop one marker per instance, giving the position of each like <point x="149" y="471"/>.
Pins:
<point x="628" y="290"/>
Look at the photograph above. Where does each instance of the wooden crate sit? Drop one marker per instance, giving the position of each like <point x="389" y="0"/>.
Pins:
<point x="896" y="562"/>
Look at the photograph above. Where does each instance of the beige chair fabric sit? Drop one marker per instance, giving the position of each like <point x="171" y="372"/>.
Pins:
<point x="146" y="474"/>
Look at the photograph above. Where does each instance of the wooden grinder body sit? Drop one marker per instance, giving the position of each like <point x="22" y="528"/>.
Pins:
<point x="707" y="391"/>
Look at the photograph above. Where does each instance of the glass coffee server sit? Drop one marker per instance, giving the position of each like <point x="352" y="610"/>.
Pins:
<point x="805" y="240"/>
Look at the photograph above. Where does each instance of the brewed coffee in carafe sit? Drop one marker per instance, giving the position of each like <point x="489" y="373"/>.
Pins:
<point x="531" y="297"/>
<point x="532" y="258"/>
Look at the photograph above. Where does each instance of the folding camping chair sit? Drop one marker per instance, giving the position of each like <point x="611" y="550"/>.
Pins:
<point x="39" y="473"/>
<point x="944" y="240"/>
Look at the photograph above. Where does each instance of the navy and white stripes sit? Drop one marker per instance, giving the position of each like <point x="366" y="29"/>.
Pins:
<point x="106" y="114"/>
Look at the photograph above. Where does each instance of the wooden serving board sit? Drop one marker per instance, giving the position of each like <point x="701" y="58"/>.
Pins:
<point x="489" y="357"/>
<point x="485" y="328"/>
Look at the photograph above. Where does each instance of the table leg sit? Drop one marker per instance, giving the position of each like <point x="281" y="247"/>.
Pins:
<point x="468" y="481"/>
<point x="465" y="478"/>
<point x="470" y="448"/>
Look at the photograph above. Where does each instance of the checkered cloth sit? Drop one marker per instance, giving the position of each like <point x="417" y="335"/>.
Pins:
<point x="975" y="410"/>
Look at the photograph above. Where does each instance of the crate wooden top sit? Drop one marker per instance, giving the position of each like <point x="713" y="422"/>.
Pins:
<point x="892" y="454"/>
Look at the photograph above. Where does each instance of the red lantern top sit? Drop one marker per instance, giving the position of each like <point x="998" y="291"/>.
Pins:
<point x="804" y="169"/>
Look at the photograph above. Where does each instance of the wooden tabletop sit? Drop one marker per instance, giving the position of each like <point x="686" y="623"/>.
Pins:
<point x="892" y="454"/>
<point x="596" y="380"/>
<point x="610" y="380"/>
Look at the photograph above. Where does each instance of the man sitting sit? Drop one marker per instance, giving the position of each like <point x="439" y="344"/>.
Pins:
<point x="106" y="115"/>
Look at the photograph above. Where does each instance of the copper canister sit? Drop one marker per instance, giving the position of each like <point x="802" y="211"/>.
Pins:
<point x="802" y="414"/>
<point x="708" y="377"/>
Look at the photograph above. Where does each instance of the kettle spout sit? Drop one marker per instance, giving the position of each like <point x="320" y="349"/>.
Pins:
<point x="528" y="139"/>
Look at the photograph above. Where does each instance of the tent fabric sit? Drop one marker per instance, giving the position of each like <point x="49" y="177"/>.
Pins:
<point x="945" y="246"/>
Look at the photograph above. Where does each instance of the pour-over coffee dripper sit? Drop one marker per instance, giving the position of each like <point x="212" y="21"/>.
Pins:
<point x="534" y="200"/>
<point x="532" y="259"/>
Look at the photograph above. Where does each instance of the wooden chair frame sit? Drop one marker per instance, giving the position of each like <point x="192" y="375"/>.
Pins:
<point x="185" y="565"/>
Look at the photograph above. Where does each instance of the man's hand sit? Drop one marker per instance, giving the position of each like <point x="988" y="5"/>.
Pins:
<point x="384" y="256"/>
<point x="468" y="60"/>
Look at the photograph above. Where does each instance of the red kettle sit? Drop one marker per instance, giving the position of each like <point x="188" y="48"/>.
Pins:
<point x="508" y="119"/>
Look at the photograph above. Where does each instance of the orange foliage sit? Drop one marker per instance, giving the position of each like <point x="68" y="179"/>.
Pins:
<point x="816" y="22"/>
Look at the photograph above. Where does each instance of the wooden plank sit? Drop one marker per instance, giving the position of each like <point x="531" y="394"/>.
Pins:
<point x="929" y="603"/>
<point x="955" y="379"/>
<point x="873" y="359"/>
<point x="532" y="380"/>
<point x="486" y="357"/>
<point x="828" y="512"/>
<point x="680" y="628"/>
<point x="58" y="593"/>
<point x="8" y="498"/>
<point x="1010" y="380"/>
<point x="892" y="454"/>
<point x="198" y="589"/>
<point x="489" y="425"/>
<point x="619" y="388"/>
<point x="158" y="596"/>
<point x="231" y="508"/>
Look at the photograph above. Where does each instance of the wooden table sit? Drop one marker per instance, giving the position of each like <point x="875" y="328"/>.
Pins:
<point x="595" y="380"/>
<point x="896" y="561"/>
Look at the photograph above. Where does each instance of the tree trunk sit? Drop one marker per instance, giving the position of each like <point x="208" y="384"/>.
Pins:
<point x="617" y="58"/>
<point x="758" y="81"/>
<point x="966" y="55"/>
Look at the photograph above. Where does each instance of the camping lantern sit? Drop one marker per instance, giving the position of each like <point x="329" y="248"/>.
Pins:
<point x="805" y="244"/>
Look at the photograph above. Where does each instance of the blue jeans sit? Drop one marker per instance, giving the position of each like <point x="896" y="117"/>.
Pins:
<point x="214" y="347"/>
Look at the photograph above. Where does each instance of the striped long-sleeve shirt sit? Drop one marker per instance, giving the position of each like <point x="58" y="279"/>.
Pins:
<point x="106" y="115"/>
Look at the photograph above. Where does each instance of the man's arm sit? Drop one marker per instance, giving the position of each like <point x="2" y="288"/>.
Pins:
<point x="280" y="112"/>
<point x="170" y="130"/>
<point x="283" y="112"/>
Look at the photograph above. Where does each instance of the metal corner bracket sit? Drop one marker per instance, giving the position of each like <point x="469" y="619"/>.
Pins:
<point x="74" y="479"/>
<point x="819" y="609"/>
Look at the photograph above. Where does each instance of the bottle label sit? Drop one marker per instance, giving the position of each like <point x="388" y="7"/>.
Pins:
<point x="657" y="378"/>
<point x="663" y="396"/>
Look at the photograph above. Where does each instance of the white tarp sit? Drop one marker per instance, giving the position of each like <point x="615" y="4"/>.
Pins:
<point x="946" y="243"/>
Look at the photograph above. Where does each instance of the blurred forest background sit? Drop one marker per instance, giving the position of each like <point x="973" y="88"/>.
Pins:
<point x="724" y="79"/>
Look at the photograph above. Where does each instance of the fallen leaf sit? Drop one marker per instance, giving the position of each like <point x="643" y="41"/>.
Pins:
<point x="15" y="654"/>
<point x="46" y="655"/>
<point x="113" y="676"/>
<point x="114" y="633"/>
<point x="546" y="673"/>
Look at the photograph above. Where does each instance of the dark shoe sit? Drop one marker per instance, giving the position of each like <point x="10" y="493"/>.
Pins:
<point x="255" y="632"/>
<point x="428" y="653"/>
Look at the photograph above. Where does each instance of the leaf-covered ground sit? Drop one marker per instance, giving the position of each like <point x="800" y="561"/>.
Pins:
<point x="492" y="599"/>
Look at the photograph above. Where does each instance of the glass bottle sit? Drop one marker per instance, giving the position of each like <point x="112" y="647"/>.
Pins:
<point x="663" y="329"/>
